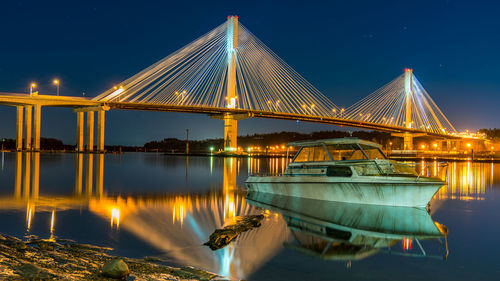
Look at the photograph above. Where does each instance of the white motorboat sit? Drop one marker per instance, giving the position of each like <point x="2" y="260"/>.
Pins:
<point x="348" y="170"/>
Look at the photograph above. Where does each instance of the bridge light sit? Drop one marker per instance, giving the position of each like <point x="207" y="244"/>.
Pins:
<point x="178" y="93"/>
<point x="32" y="86"/>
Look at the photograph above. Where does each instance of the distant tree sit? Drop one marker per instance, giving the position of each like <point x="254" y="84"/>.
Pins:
<point x="493" y="134"/>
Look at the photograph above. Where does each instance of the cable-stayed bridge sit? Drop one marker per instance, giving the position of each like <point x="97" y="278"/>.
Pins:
<point x="229" y="74"/>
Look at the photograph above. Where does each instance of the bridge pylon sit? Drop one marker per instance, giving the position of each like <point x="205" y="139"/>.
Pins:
<point x="230" y="123"/>
<point x="408" y="91"/>
<point x="408" y="138"/>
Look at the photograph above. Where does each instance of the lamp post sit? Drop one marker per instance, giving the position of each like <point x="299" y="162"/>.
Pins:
<point x="57" y="83"/>
<point x="32" y="86"/>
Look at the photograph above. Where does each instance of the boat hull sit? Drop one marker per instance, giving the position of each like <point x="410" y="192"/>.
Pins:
<point x="391" y="192"/>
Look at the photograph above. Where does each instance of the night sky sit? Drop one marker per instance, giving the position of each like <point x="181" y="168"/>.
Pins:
<point x="347" y="49"/>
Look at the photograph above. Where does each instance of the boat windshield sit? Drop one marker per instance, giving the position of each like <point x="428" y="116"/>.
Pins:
<point x="312" y="154"/>
<point x="354" y="152"/>
<point x="373" y="152"/>
<point x="345" y="152"/>
<point x="338" y="152"/>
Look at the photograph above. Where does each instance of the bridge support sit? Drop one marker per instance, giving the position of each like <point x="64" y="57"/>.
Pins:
<point x="408" y="141"/>
<point x="230" y="122"/>
<point x="90" y="131"/>
<point x="79" y="131"/>
<point x="38" y="119"/>
<point x="230" y="133"/>
<point x="100" y="130"/>
<point x="80" y="116"/>
<point x="27" y="127"/>
<point x="19" y="128"/>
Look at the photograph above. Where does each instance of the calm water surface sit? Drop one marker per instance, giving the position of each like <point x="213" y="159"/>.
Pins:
<point x="153" y="205"/>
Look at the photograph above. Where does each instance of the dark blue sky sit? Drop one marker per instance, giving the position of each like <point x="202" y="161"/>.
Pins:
<point x="347" y="49"/>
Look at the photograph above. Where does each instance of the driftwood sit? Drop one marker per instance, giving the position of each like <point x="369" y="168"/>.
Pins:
<point x="222" y="237"/>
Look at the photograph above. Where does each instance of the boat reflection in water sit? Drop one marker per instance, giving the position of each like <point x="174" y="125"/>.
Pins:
<point x="345" y="231"/>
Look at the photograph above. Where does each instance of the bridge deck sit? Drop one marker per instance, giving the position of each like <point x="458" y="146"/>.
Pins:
<point x="12" y="99"/>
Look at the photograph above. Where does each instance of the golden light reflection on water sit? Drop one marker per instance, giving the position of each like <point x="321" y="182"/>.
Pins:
<point x="468" y="181"/>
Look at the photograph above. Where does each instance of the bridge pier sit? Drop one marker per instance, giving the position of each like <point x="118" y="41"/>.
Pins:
<point x="19" y="128"/>
<point x="27" y="126"/>
<point x="90" y="131"/>
<point x="230" y="133"/>
<point x="100" y="130"/>
<point x="80" y="120"/>
<point x="408" y="141"/>
<point x="79" y="131"/>
<point x="38" y="119"/>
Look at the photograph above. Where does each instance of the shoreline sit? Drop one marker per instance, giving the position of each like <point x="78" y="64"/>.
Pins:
<point x="63" y="259"/>
<point x="427" y="157"/>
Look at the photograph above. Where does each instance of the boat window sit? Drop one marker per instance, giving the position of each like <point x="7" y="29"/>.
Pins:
<point x="338" y="171"/>
<point x="320" y="154"/>
<point x="345" y="152"/>
<point x="372" y="152"/>
<point x="312" y="154"/>
<point x="303" y="155"/>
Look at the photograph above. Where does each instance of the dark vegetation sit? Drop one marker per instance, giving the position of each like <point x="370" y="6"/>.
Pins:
<point x="175" y="145"/>
<point x="493" y="134"/>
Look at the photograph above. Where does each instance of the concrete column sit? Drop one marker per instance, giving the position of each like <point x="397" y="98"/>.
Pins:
<point x="19" y="128"/>
<point x="230" y="124"/>
<point x="100" y="130"/>
<point x="27" y="127"/>
<point x="79" y="131"/>
<point x="90" y="131"/>
<point x="230" y="133"/>
<point x="37" y="117"/>
<point x="408" y="141"/>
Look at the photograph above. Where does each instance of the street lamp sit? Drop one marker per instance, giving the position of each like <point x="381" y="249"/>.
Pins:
<point x="56" y="82"/>
<point x="32" y="86"/>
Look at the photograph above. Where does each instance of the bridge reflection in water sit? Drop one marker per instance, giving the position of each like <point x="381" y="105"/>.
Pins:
<point x="178" y="224"/>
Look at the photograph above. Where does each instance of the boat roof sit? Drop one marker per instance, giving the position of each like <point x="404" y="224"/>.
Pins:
<point x="334" y="141"/>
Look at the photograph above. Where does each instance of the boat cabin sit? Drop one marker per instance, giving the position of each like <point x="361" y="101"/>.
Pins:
<point x="343" y="157"/>
<point x="350" y="149"/>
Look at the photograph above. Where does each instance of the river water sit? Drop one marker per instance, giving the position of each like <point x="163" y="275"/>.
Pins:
<point x="146" y="204"/>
